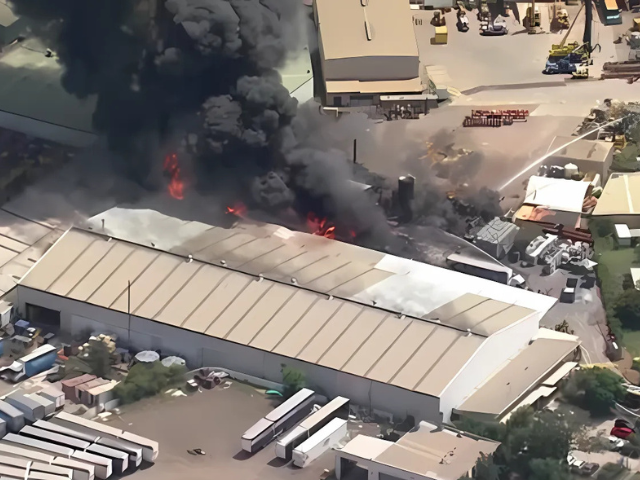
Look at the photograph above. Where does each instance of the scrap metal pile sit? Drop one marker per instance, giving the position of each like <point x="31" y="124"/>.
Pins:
<point x="494" y="118"/>
<point x="620" y="132"/>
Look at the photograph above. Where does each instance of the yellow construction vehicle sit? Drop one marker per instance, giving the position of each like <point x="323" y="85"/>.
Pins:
<point x="563" y="18"/>
<point x="533" y="21"/>
<point x="581" y="72"/>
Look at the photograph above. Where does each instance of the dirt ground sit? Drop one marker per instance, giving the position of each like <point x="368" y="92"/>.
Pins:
<point x="213" y="421"/>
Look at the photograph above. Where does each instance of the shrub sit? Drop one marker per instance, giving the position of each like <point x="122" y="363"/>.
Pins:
<point x="293" y="379"/>
<point x="148" y="380"/>
<point x="627" y="308"/>
<point x="596" y="389"/>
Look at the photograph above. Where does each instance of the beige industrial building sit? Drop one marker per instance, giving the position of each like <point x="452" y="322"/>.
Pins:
<point x="620" y="200"/>
<point x="425" y="453"/>
<point x="369" y="54"/>
<point x="215" y="315"/>
<point x="588" y="155"/>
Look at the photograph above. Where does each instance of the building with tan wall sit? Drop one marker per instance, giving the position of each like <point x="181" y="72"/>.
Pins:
<point x="368" y="53"/>
<point x="620" y="200"/>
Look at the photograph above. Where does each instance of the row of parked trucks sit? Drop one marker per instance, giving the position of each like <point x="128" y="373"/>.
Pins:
<point x="319" y="430"/>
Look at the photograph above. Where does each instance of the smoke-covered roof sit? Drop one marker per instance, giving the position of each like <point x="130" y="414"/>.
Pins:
<point x="32" y="87"/>
<point x="321" y="264"/>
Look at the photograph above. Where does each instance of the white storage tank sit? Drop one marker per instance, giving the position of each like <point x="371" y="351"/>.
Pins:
<point x="570" y="170"/>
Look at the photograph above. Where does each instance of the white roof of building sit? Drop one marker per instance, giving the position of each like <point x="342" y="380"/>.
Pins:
<point x="591" y="150"/>
<point x="278" y="317"/>
<point x="343" y="26"/>
<point x="427" y="451"/>
<point x="320" y="264"/>
<point x="556" y="193"/>
<point x="621" y="195"/>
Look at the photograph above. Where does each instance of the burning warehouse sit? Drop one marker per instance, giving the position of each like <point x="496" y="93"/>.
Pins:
<point x="389" y="333"/>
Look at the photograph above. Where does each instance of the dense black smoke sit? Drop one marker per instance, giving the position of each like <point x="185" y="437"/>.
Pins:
<point x="206" y="70"/>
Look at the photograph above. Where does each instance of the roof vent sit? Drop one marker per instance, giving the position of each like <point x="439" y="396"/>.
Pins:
<point x="364" y="3"/>
<point x="330" y="297"/>
<point x="109" y="239"/>
<point x="294" y="281"/>
<point x="222" y="262"/>
<point x="260" y="278"/>
<point x="468" y="332"/>
<point x="190" y="259"/>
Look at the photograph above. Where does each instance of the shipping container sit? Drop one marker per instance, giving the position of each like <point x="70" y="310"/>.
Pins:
<point x="53" y="394"/>
<point x="69" y="386"/>
<point x="336" y="408"/>
<point x="322" y="441"/>
<point x="49" y="406"/>
<point x="38" y="361"/>
<point x="31" y="409"/>
<point x="13" y="417"/>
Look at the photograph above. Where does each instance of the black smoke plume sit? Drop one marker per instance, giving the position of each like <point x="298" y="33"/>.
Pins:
<point x="205" y="70"/>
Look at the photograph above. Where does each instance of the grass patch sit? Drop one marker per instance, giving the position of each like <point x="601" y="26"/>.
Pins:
<point x="613" y="264"/>
<point x="632" y="342"/>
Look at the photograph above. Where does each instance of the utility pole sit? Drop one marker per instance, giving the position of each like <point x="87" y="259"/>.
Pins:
<point x="129" y="312"/>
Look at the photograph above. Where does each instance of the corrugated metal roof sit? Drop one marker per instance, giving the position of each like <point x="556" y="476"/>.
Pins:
<point x="377" y="28"/>
<point x="317" y="263"/>
<point x="621" y="195"/>
<point x="518" y="376"/>
<point x="250" y="310"/>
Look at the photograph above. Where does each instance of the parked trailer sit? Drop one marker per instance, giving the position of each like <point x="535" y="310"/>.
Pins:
<point x="119" y="459"/>
<point x="31" y="409"/>
<point x="83" y="433"/>
<point x="80" y="470"/>
<point x="38" y="361"/>
<point x="101" y="466"/>
<point x="325" y="439"/>
<point x="278" y="420"/>
<point x="13" y="417"/>
<point x="149" y="447"/>
<point x="336" y="408"/>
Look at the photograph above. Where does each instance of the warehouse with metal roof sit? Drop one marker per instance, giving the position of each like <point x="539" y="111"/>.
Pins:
<point x="215" y="315"/>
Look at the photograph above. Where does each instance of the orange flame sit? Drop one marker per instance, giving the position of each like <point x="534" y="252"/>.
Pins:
<point x="176" y="185"/>
<point x="239" y="210"/>
<point x="318" y="226"/>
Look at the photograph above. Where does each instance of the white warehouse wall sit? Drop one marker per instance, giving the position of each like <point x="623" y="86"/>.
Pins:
<point x="200" y="350"/>
<point x="493" y="354"/>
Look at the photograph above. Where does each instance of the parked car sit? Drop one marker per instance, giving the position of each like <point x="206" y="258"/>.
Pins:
<point x="621" y="432"/>
<point x="624" y="423"/>
<point x="574" y="464"/>
<point x="588" y="469"/>
<point x="616" y="443"/>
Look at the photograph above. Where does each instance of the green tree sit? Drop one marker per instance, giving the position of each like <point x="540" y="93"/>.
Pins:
<point x="293" y="380"/>
<point x="596" y="389"/>
<point x="548" y="469"/>
<point x="98" y="358"/>
<point x="484" y="469"/>
<point x="602" y="227"/>
<point x="148" y="380"/>
<point x="627" y="308"/>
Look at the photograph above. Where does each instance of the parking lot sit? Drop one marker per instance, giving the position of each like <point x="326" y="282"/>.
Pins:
<point x="213" y="421"/>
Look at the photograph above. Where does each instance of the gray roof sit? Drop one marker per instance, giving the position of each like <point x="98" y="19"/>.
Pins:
<point x="415" y="354"/>
<point x="496" y="231"/>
